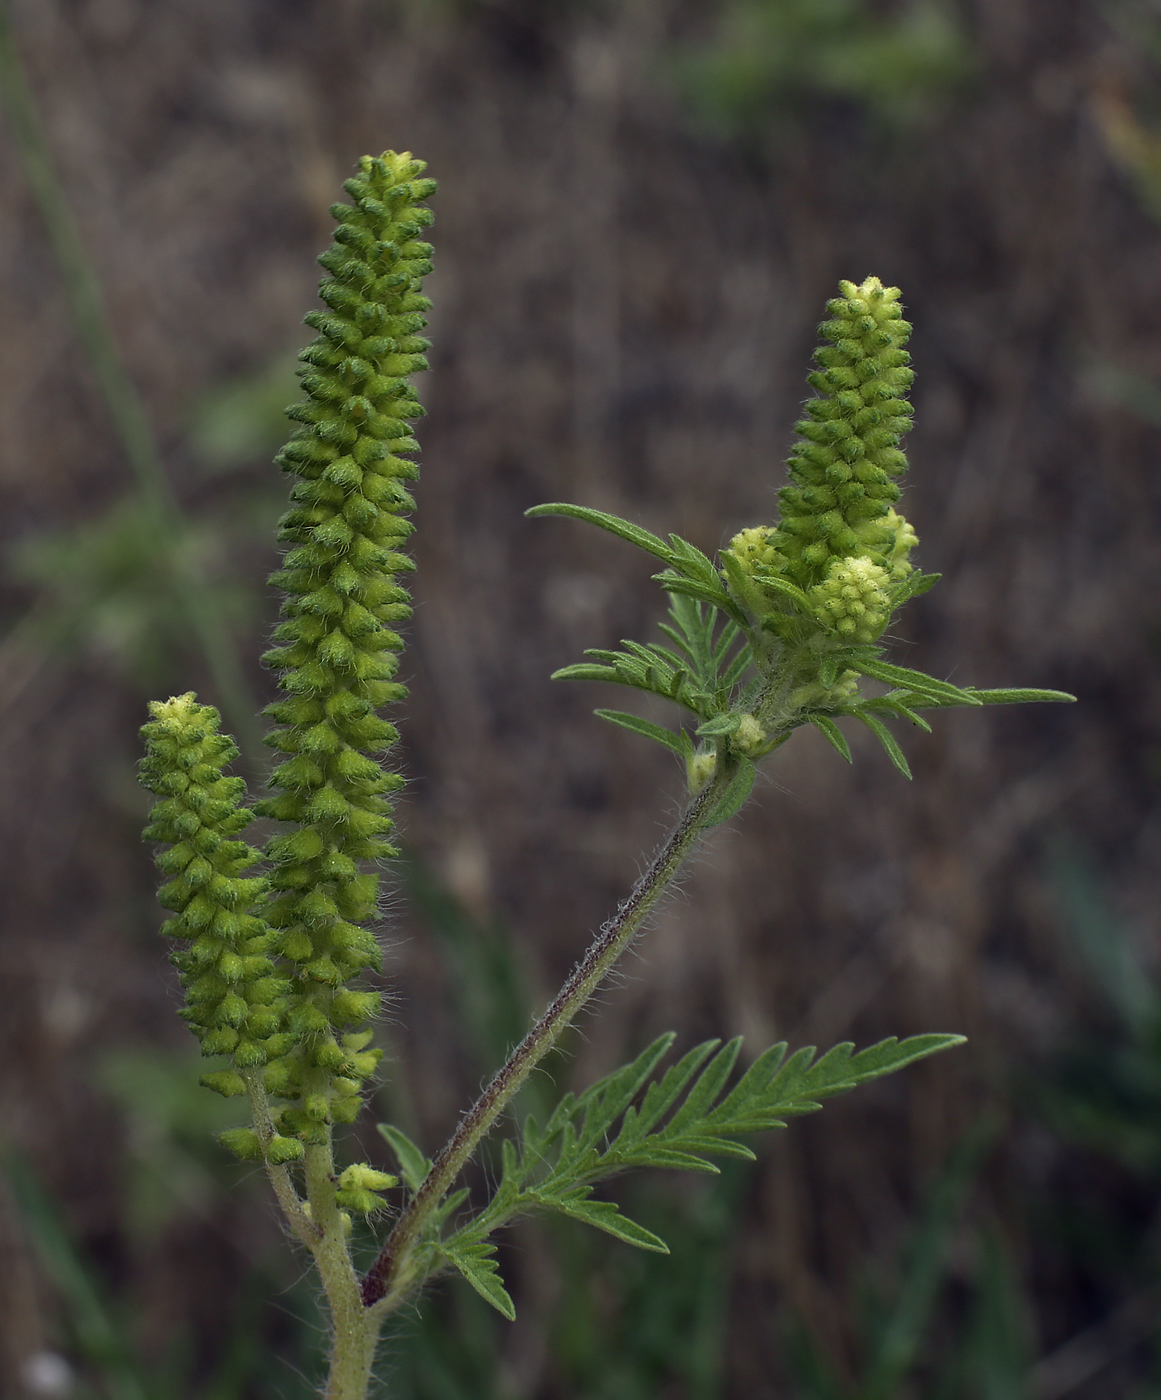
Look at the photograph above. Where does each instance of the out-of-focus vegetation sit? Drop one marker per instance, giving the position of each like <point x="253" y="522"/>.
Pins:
<point x="766" y="62"/>
<point x="1016" y="197"/>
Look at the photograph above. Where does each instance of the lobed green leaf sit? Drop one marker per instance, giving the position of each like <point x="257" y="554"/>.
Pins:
<point x="623" y="529"/>
<point x="413" y="1165"/>
<point x="645" y="727"/>
<point x="477" y="1264"/>
<point x="678" y="1121"/>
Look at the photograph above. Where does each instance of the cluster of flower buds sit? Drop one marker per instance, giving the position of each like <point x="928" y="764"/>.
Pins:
<point x="336" y="650"/>
<point x="235" y="1003"/>
<point x="836" y="557"/>
<point x="843" y="468"/>
<point x="853" y="600"/>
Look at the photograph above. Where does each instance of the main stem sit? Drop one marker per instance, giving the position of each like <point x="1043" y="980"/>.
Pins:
<point x="391" y="1275"/>
<point x="320" y="1229"/>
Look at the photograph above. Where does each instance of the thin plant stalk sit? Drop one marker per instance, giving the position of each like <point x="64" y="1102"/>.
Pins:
<point x="390" y="1277"/>
<point x="358" y="1316"/>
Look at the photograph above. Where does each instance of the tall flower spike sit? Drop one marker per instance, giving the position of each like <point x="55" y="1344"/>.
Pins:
<point x="843" y="467"/>
<point x="234" y="1002"/>
<point x="336" y="647"/>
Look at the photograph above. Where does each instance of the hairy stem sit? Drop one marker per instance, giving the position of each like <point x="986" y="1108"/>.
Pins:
<point x="355" y="1330"/>
<point x="322" y="1232"/>
<point x="389" y="1278"/>
<point x="304" y="1229"/>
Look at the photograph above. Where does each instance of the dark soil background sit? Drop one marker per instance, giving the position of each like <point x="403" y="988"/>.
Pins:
<point x="630" y="265"/>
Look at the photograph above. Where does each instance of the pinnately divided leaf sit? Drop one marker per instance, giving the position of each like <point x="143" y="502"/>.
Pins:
<point x="477" y="1264"/>
<point x="679" y="1120"/>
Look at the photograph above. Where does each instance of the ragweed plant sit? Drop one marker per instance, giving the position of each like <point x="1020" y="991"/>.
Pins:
<point x="783" y="630"/>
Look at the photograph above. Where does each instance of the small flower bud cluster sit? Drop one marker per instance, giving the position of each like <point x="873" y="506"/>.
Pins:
<point x="700" y="769"/>
<point x="756" y="547"/>
<point x="336" y="647"/>
<point x="235" y="1004"/>
<point x="854" y="599"/>
<point x="903" y="541"/>
<point x="359" y="1187"/>
<point x="843" y="468"/>
<point x="749" y="736"/>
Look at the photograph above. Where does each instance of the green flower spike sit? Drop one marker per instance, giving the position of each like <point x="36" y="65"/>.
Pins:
<point x="782" y="630"/>
<point x="336" y="650"/>
<point x="234" y="1002"/>
<point x="842" y="470"/>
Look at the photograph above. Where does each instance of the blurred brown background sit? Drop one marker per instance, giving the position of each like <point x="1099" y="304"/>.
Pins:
<point x="643" y="207"/>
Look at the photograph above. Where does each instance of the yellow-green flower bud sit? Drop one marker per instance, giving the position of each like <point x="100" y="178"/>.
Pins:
<point x="749" y="736"/>
<point x="756" y="546"/>
<point x="359" y="1185"/>
<point x="701" y="769"/>
<point x="243" y="1143"/>
<point x="903" y="541"/>
<point x="853" y="600"/>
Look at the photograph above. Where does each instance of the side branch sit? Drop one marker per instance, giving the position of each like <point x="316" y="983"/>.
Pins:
<point x="612" y="940"/>
<point x="305" y="1230"/>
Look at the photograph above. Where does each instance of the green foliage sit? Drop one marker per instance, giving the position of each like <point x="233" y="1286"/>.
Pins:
<point x="112" y="587"/>
<point x="244" y="420"/>
<point x="623" y="1326"/>
<point x="98" y="1335"/>
<point x="678" y="1121"/>
<point x="100" y="1330"/>
<point x="782" y="631"/>
<point x="1104" y="1087"/>
<point x="765" y="60"/>
<point x="893" y="1352"/>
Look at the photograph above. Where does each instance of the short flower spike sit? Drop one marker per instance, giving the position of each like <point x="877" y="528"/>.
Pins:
<point x="235" y="1004"/>
<point x="844" y="466"/>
